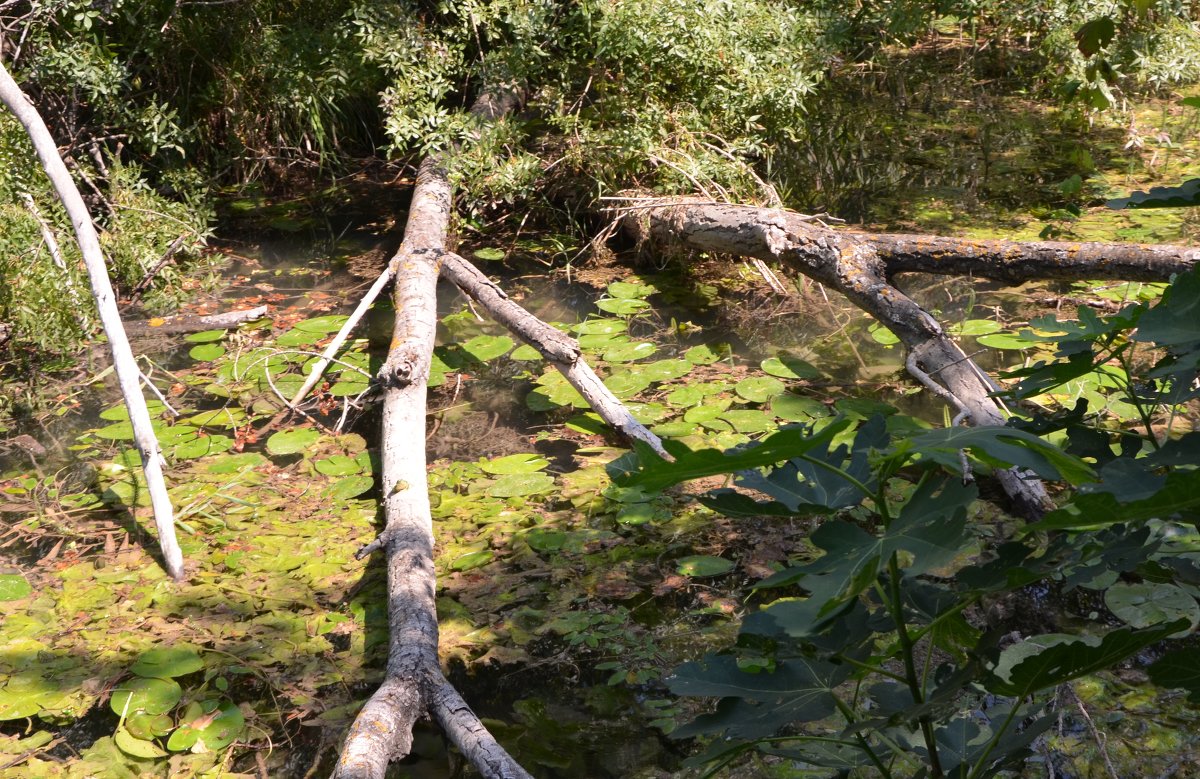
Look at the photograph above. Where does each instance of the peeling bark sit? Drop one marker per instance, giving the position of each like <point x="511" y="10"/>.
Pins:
<point x="850" y="264"/>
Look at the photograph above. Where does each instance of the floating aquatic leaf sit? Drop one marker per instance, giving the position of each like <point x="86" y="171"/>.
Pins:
<point x="206" y="352"/>
<point x="153" y="696"/>
<point x="629" y="351"/>
<point x="202" y="446"/>
<point x="622" y="306"/>
<point x="148" y="726"/>
<point x="600" y="327"/>
<point x="19" y="704"/>
<point x="797" y="408"/>
<point x="675" y="429"/>
<point x="136" y="747"/>
<point x="232" y="463"/>
<point x="516" y="484"/>
<point x="640" y="514"/>
<point x="1010" y="341"/>
<point x="515" y="463"/>
<point x="685" y="396"/>
<point x="700" y="566"/>
<point x="759" y="389"/>
<point x="338" y="465"/>
<point x="975" y="327"/>
<point x="13" y="586"/>
<point x="472" y="560"/>
<point x="292" y="441"/>
<point x="351" y="387"/>
<point x="525" y="353"/>
<point x="749" y="420"/>
<point x="207" y="336"/>
<point x="488" y="347"/>
<point x="350" y="487"/>
<point x="121" y="431"/>
<point x="707" y="354"/>
<point x="789" y="368"/>
<point x="629" y="290"/>
<point x="624" y="385"/>
<point x="489" y="254"/>
<point x="221" y="417"/>
<point x="322" y="324"/>
<point x="168" y="662"/>
<point x="296" y="337"/>
<point x="666" y="370"/>
<point x="545" y="541"/>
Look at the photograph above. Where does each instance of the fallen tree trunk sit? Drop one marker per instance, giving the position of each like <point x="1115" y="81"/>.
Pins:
<point x="414" y="684"/>
<point x="128" y="375"/>
<point x="193" y="323"/>
<point x="851" y="265"/>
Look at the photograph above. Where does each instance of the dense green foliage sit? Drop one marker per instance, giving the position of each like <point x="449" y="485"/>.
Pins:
<point x="159" y="101"/>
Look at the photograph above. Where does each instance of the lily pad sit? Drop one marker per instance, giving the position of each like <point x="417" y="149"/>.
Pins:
<point x="13" y="586"/>
<point x="789" y="368"/>
<point x="622" y="306"/>
<point x="516" y="484"/>
<point x="700" y="566"/>
<point x="205" y="337"/>
<point x="629" y="352"/>
<point x="232" y="463"/>
<point x="525" y="353"/>
<point x="19" y="704"/>
<point x="600" y="327"/>
<point x="206" y="352"/>
<point x="515" y="463"/>
<point x="168" y="662"/>
<point x="153" y="696"/>
<point x="1005" y="341"/>
<point x="136" y="747"/>
<point x="338" y="465"/>
<point x="545" y="541"/>
<point x="666" y="370"/>
<point x="707" y="354"/>
<point x="685" y="396"/>
<point x="350" y="487"/>
<point x="759" y="389"/>
<point x="489" y="254"/>
<point x="292" y="441"/>
<point x="297" y="337"/>
<point x="322" y="324"/>
<point x="629" y="290"/>
<point x="221" y="417"/>
<point x="1145" y="603"/>
<point x="797" y="408"/>
<point x="471" y="560"/>
<point x="488" y="347"/>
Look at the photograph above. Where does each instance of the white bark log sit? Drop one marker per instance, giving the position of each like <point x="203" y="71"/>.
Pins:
<point x="560" y="350"/>
<point x="128" y="376"/>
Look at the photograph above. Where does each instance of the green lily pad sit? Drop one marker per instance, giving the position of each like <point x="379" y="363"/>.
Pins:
<point x="136" y="747"/>
<point x="322" y="324"/>
<point x="759" y="389"/>
<point x="338" y="465"/>
<point x="202" y="446"/>
<point x="749" y="420"/>
<point x="700" y="566"/>
<point x="666" y="370"/>
<point x="600" y="327"/>
<point x="232" y="463"/>
<point x="148" y="726"/>
<point x="153" y="696"/>
<point x="221" y="417"/>
<point x="882" y="335"/>
<point x="205" y="337"/>
<point x="624" y="385"/>
<point x="206" y="352"/>
<point x="350" y="487"/>
<point x="629" y="290"/>
<point x="19" y="704"/>
<point x="789" y="368"/>
<point x="685" y="396"/>
<point x="471" y="560"/>
<point x="14" y="586"/>
<point x="489" y="254"/>
<point x="525" y="353"/>
<point x="168" y="662"/>
<point x="674" y="429"/>
<point x="622" y="306"/>
<point x="975" y="327"/>
<point x="297" y="337"/>
<point x="120" y="431"/>
<point x="292" y="441"/>
<point x="707" y="354"/>
<point x="629" y="352"/>
<point x="545" y="541"/>
<point x="1005" y="341"/>
<point x="515" y="463"/>
<point x="797" y="408"/>
<point x="516" y="484"/>
<point x="488" y="347"/>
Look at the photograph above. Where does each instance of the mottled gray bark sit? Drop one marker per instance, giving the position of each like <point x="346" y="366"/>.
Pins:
<point x="192" y="323"/>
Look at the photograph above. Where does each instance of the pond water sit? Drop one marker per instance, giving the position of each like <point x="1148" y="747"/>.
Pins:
<point x="561" y="603"/>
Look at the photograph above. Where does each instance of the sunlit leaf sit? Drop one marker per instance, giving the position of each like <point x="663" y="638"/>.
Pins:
<point x="168" y="662"/>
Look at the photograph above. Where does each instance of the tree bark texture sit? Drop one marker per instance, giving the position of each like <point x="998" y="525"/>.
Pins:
<point x="128" y="375"/>
<point x="850" y="264"/>
<point x="559" y="349"/>
<point x="193" y="323"/>
<point x="414" y="684"/>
